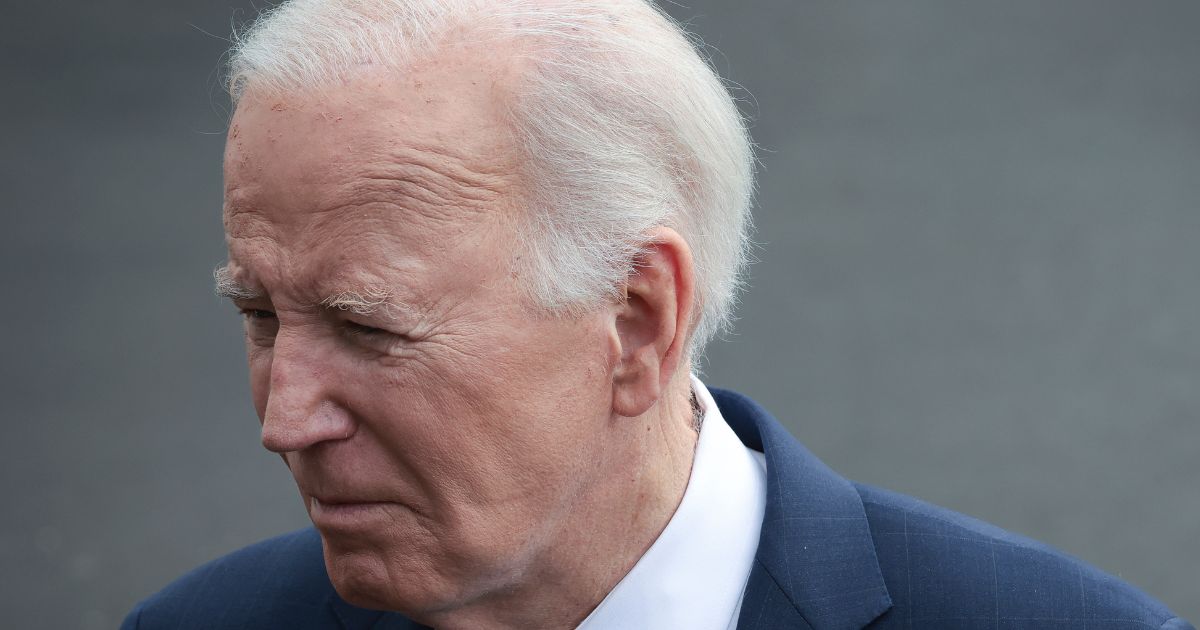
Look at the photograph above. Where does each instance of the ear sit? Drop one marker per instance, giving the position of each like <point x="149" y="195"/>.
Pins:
<point x="652" y="324"/>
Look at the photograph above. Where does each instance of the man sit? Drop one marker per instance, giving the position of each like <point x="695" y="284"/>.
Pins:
<point x="478" y="245"/>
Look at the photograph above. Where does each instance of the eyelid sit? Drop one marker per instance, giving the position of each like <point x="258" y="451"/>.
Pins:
<point x="257" y="313"/>
<point x="360" y="328"/>
<point x="375" y="339"/>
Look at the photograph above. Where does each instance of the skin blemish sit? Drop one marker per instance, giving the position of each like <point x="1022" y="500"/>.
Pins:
<point x="279" y="107"/>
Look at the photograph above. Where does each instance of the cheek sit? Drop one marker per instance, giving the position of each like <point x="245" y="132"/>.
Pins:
<point x="491" y="414"/>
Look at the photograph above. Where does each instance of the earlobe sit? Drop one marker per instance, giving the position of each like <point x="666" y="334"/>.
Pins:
<point x="652" y="323"/>
<point x="640" y="331"/>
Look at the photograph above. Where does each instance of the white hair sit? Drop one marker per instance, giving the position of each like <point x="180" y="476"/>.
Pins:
<point x="624" y="126"/>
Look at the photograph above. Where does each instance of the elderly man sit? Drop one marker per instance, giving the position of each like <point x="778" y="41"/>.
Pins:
<point x="478" y="245"/>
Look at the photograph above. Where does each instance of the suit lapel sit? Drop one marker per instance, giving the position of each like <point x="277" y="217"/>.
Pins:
<point x="816" y="566"/>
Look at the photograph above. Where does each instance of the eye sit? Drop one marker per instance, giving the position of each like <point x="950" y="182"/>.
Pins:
<point x="355" y="328"/>
<point x="373" y="339"/>
<point x="261" y="326"/>
<point x="257" y="314"/>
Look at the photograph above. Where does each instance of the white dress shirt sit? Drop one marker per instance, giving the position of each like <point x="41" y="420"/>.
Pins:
<point x="694" y="574"/>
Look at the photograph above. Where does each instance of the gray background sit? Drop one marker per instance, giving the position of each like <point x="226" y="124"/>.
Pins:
<point x="977" y="280"/>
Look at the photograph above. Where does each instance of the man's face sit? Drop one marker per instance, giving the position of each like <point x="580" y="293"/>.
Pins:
<point x="440" y="430"/>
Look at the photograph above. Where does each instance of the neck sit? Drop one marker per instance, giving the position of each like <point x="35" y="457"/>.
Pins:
<point x="634" y="494"/>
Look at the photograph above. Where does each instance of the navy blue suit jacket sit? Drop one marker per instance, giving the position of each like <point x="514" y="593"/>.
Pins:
<point x="833" y="555"/>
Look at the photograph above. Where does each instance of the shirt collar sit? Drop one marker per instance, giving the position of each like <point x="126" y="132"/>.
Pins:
<point x="694" y="574"/>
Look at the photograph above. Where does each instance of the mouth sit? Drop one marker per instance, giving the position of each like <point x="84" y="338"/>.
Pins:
<point x="340" y="514"/>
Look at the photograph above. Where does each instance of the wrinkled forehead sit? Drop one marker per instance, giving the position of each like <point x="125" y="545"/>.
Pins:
<point x="447" y="116"/>
<point x="423" y="161"/>
<point x="453" y="105"/>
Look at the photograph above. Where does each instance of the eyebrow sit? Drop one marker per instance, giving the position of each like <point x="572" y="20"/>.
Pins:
<point x="368" y="300"/>
<point x="227" y="287"/>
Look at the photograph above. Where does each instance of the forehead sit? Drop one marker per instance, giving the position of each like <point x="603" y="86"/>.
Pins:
<point x="384" y="169"/>
<point x="453" y="104"/>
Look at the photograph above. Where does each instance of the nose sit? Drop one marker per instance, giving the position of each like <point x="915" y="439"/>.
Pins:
<point x="300" y="410"/>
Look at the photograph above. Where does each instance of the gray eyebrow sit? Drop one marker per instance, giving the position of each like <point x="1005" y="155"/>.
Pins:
<point x="369" y="300"/>
<point x="227" y="287"/>
<point x="366" y="301"/>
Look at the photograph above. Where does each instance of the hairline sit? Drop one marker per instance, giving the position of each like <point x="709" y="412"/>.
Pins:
<point x="713" y="215"/>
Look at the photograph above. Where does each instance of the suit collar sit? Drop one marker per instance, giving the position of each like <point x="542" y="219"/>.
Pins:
<point x="816" y="565"/>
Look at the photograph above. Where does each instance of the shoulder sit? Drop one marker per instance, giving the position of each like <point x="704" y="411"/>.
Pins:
<point x="279" y="582"/>
<point x="944" y="567"/>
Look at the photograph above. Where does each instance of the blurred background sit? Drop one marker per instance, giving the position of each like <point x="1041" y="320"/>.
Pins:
<point x="978" y="228"/>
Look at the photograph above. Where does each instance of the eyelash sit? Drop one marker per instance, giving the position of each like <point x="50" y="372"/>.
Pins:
<point x="352" y="328"/>
<point x="372" y="339"/>
<point x="257" y="313"/>
<point x="363" y="330"/>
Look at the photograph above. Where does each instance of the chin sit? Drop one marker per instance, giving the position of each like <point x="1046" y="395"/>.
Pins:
<point x="360" y="578"/>
<point x="365" y="578"/>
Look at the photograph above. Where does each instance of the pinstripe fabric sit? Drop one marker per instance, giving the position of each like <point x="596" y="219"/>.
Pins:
<point x="836" y="555"/>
